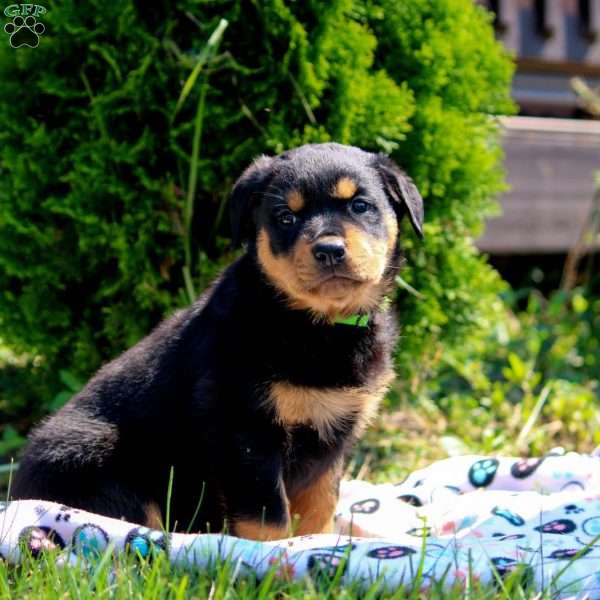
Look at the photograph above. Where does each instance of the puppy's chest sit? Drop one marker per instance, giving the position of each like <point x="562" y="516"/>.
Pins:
<point x="329" y="411"/>
<point x="331" y="381"/>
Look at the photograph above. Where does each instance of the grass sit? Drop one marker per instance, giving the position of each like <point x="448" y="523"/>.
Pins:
<point x="383" y="455"/>
<point x="131" y="577"/>
<point x="522" y="396"/>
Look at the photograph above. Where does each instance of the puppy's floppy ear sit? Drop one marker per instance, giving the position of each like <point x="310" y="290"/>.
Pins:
<point x="243" y="198"/>
<point x="402" y="191"/>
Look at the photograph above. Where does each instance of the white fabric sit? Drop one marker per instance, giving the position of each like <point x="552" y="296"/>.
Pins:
<point x="472" y="516"/>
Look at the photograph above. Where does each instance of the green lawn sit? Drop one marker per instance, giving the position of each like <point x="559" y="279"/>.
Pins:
<point x="399" y="442"/>
<point x="130" y="577"/>
<point x="531" y="388"/>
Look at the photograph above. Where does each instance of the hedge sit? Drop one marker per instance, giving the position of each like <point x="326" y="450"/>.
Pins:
<point x="97" y="162"/>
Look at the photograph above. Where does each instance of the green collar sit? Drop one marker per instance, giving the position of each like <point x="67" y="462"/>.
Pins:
<point x="356" y="320"/>
<point x="362" y="320"/>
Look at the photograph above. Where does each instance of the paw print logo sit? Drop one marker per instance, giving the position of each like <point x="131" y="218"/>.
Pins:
<point x="573" y="509"/>
<point x="390" y="552"/>
<point x="572" y="486"/>
<point x="411" y="499"/>
<point x="503" y="537"/>
<point x="525" y="467"/>
<point x="367" y="507"/>
<point x="64" y="514"/>
<point x="482" y="472"/>
<point x="24" y="31"/>
<point x="591" y="526"/>
<point x="327" y="566"/>
<point x="558" y="526"/>
<point x="509" y="515"/>
<point x="146" y="542"/>
<point x="420" y="531"/>
<point x="37" y="540"/>
<point x="90" y="541"/>
<point x="503" y="564"/>
<point x="505" y="567"/>
<point x="570" y="553"/>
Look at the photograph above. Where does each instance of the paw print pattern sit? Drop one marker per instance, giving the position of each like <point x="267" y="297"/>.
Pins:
<point x="573" y="486"/>
<point x="145" y="542"/>
<point x="591" y="526"/>
<point x="573" y="509"/>
<point x="89" y="541"/>
<point x="366" y="507"/>
<point x="326" y="565"/>
<point x="390" y="552"/>
<point x="24" y="31"/>
<point x="65" y="513"/>
<point x="558" y="526"/>
<point x="509" y="515"/>
<point x="525" y="467"/>
<point x="411" y="499"/>
<point x="569" y="553"/>
<point x="40" y="539"/>
<point x="507" y="566"/>
<point x="482" y="473"/>
<point x="504" y="565"/>
<point x="509" y="537"/>
<point x="420" y="531"/>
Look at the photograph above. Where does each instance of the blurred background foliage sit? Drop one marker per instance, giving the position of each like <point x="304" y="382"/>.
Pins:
<point x="123" y="132"/>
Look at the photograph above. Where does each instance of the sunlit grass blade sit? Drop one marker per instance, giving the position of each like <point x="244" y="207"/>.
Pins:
<point x="207" y="52"/>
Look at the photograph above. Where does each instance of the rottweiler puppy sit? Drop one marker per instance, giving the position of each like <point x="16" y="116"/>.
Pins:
<point x="249" y="400"/>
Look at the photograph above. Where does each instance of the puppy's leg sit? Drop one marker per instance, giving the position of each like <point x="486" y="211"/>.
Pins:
<point x="259" y="512"/>
<point x="71" y="459"/>
<point x="254" y="494"/>
<point x="312" y="508"/>
<point x="97" y="494"/>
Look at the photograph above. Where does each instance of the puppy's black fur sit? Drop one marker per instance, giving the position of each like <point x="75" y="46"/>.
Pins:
<point x="223" y="393"/>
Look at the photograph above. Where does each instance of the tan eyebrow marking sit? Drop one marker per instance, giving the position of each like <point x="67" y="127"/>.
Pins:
<point x="345" y="188"/>
<point x="295" y="200"/>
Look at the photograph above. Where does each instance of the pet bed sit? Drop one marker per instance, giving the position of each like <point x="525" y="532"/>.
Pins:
<point x="465" y="517"/>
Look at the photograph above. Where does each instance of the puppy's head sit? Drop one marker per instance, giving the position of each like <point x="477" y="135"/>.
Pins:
<point x="323" y="222"/>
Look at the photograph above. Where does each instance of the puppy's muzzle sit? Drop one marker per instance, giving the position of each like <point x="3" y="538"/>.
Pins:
<point x="329" y="253"/>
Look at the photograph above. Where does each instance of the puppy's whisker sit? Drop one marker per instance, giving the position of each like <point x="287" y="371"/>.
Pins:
<point x="270" y="196"/>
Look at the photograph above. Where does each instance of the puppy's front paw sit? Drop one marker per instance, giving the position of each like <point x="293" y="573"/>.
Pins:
<point x="257" y="530"/>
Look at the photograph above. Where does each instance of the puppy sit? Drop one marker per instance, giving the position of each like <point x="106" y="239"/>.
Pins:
<point x="249" y="400"/>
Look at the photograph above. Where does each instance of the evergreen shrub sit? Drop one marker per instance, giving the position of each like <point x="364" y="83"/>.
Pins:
<point x="97" y="163"/>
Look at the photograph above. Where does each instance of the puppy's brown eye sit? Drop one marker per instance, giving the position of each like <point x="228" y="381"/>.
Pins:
<point x="359" y="206"/>
<point x="286" y="218"/>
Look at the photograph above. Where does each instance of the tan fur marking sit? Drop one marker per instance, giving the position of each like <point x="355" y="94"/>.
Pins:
<point x="295" y="273"/>
<point x="367" y="257"/>
<point x="323" y="408"/>
<point x="295" y="200"/>
<point x="313" y="508"/>
<point x="153" y="516"/>
<point x="280" y="270"/>
<point x="391" y="225"/>
<point x="255" y="530"/>
<point x="344" y="189"/>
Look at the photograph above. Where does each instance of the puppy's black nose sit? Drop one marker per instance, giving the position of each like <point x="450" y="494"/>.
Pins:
<point x="330" y="253"/>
